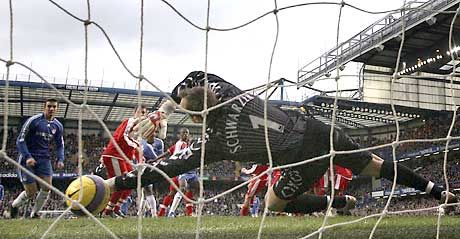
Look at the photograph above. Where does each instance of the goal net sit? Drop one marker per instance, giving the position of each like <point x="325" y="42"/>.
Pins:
<point x="93" y="30"/>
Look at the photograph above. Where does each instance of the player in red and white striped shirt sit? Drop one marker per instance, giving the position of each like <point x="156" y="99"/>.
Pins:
<point x="182" y="143"/>
<point x="115" y="163"/>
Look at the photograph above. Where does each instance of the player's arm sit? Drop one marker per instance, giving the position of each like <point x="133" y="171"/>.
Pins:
<point x="161" y="147"/>
<point x="21" y="144"/>
<point x="165" y="110"/>
<point x="182" y="161"/>
<point x="171" y="149"/>
<point x="249" y="171"/>
<point x="59" y="140"/>
<point x="156" y="121"/>
<point x="128" y="136"/>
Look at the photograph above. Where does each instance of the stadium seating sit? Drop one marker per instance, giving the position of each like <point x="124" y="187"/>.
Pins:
<point x="430" y="167"/>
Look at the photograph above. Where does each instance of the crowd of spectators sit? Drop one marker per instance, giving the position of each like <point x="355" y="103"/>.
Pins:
<point x="224" y="168"/>
<point x="435" y="127"/>
<point x="432" y="169"/>
<point x="93" y="146"/>
<point x="11" y="151"/>
<point x="429" y="167"/>
<point x="399" y="204"/>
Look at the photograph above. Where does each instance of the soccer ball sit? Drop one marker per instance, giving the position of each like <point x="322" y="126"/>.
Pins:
<point x="95" y="196"/>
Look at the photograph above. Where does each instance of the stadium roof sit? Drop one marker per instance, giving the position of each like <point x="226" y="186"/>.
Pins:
<point x="428" y="39"/>
<point x="354" y="114"/>
<point x="114" y="104"/>
<point x="110" y="104"/>
<point x="426" y="36"/>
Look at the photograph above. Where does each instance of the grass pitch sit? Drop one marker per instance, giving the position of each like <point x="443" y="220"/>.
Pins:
<point x="233" y="228"/>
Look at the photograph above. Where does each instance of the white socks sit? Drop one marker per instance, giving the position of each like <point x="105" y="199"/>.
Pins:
<point x="429" y="186"/>
<point x="152" y="204"/>
<point x="40" y="200"/>
<point x="175" y="203"/>
<point x="20" y="200"/>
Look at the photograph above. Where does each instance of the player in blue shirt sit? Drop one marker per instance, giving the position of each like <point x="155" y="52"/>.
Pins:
<point x="33" y="144"/>
<point x="153" y="148"/>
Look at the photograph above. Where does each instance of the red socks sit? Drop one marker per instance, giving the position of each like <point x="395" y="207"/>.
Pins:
<point x="167" y="200"/>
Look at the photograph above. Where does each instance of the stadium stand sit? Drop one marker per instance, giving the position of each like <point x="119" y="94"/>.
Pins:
<point x="421" y="156"/>
<point x="429" y="166"/>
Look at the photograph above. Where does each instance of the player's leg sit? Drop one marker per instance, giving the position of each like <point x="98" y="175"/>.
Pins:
<point x="175" y="203"/>
<point x="373" y="165"/>
<point x="305" y="203"/>
<point x="189" y="205"/>
<point x="30" y="189"/>
<point x="319" y="188"/>
<point x="190" y="185"/>
<point x="340" y="186"/>
<point x="287" y="194"/>
<point x="42" y="196"/>
<point x="252" y="186"/>
<point x="365" y="163"/>
<point x="113" y="166"/>
<point x="177" y="197"/>
<point x="45" y="171"/>
<point x="151" y="200"/>
<point x="125" y="167"/>
<point x="378" y="167"/>
<point x="255" y="206"/>
<point x="168" y="199"/>
<point x="121" y="200"/>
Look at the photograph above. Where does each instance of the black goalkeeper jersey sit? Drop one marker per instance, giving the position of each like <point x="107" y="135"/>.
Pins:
<point x="236" y="130"/>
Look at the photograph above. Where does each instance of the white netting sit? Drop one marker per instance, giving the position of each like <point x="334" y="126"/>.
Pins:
<point x="88" y="22"/>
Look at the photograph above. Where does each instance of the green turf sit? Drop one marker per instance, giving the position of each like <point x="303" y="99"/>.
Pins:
<point x="232" y="228"/>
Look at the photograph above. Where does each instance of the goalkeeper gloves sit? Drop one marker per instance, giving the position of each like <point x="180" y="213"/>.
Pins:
<point x="156" y="121"/>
